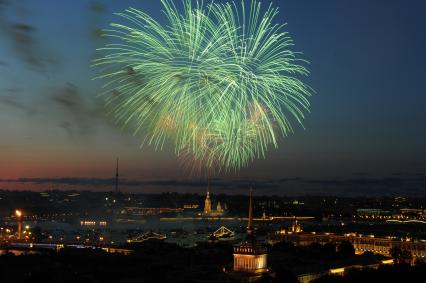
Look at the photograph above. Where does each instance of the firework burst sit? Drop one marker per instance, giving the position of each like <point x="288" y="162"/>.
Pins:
<point x="217" y="80"/>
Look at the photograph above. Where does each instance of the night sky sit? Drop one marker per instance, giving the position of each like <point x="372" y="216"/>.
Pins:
<point x="366" y="132"/>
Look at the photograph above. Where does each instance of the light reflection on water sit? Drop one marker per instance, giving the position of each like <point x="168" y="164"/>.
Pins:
<point x="184" y="232"/>
<point x="18" y="252"/>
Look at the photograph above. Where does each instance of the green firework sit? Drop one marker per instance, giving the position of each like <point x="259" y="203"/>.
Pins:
<point x="219" y="81"/>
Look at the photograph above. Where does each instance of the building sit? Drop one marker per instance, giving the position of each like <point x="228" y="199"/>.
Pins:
<point x="296" y="228"/>
<point x="372" y="212"/>
<point x="208" y="211"/>
<point x="208" y="204"/>
<point x="360" y="243"/>
<point x="250" y="258"/>
<point x="219" y="207"/>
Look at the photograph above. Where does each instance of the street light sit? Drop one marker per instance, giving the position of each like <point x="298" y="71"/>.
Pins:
<point x="18" y="213"/>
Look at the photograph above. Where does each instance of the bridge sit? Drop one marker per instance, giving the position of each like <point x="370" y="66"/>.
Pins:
<point x="34" y="246"/>
<point x="223" y="232"/>
<point x="147" y="236"/>
<point x="57" y="247"/>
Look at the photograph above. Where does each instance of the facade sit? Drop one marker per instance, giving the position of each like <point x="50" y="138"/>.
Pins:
<point x="250" y="258"/>
<point x="361" y="244"/>
<point x="208" y="204"/>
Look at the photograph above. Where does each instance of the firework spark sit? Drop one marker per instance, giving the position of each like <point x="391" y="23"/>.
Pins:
<point x="219" y="81"/>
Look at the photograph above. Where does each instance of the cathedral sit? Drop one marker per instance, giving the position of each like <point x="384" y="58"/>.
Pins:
<point x="208" y="211"/>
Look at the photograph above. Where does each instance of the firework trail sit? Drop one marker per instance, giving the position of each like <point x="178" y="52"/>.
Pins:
<point x="219" y="81"/>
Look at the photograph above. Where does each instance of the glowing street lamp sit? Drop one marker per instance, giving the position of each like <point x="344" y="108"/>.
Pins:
<point x="18" y="214"/>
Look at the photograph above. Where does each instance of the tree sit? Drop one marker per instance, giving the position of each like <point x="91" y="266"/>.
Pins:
<point x="401" y="256"/>
<point x="346" y="249"/>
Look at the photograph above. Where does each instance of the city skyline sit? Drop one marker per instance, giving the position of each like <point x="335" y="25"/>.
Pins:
<point x="212" y="141"/>
<point x="364" y="133"/>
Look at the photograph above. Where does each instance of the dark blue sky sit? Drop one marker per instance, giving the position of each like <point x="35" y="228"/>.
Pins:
<point x="367" y="67"/>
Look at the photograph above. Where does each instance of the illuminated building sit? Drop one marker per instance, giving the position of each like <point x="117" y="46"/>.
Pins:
<point x="219" y="207"/>
<point x="93" y="223"/>
<point x="208" y="211"/>
<point x="191" y="206"/>
<point x="413" y="213"/>
<point x="361" y="243"/>
<point x="296" y="228"/>
<point x="149" y="211"/>
<point x="372" y="212"/>
<point x="207" y="204"/>
<point x="250" y="258"/>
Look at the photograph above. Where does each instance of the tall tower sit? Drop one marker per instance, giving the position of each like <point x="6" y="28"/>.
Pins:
<point x="250" y="229"/>
<point x="116" y="178"/>
<point x="250" y="258"/>
<point x="208" y="201"/>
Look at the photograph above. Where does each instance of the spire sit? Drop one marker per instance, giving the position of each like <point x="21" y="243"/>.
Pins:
<point x="207" y="202"/>
<point x="116" y="177"/>
<point x="250" y="229"/>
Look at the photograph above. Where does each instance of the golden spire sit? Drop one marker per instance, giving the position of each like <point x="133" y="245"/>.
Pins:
<point x="250" y="229"/>
<point x="207" y="202"/>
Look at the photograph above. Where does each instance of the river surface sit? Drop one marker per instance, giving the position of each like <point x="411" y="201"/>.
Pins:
<point x="186" y="232"/>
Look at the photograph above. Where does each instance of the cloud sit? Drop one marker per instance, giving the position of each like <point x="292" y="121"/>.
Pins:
<point x="372" y="186"/>
<point x="102" y="184"/>
<point x="4" y="5"/>
<point x="14" y="102"/>
<point x="79" y="113"/>
<point x="68" y="128"/>
<point x="24" y="42"/>
<point x="353" y="187"/>
<point x="68" y="96"/>
<point x="97" y="7"/>
<point x="11" y="90"/>
<point x="386" y="181"/>
<point x="75" y="181"/>
<point x="22" y="37"/>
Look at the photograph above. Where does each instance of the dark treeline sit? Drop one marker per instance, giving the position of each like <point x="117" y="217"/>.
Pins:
<point x="156" y="261"/>
<point x="151" y="262"/>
